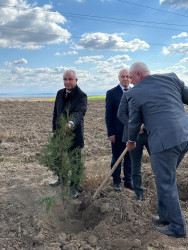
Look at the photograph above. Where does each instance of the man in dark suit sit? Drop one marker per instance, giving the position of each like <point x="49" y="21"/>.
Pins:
<point x="115" y="131"/>
<point x="157" y="101"/>
<point x="73" y="97"/>
<point x="136" y="154"/>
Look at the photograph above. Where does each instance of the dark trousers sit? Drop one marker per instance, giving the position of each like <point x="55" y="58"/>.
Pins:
<point x="117" y="149"/>
<point x="136" y="162"/>
<point x="164" y="166"/>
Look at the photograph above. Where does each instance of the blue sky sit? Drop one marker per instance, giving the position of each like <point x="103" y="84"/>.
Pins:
<point x="40" y="39"/>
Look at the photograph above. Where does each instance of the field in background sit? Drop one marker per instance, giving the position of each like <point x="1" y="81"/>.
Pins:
<point x="112" y="221"/>
<point x="97" y="97"/>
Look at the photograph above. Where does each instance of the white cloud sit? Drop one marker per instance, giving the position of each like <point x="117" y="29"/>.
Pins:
<point x="175" y="3"/>
<point x="30" y="27"/>
<point x="183" y="34"/>
<point x="103" y="41"/>
<point x="62" y="69"/>
<point x="175" y="68"/>
<point x="119" y="59"/>
<point x="21" y="61"/>
<point x="181" y="48"/>
<point x="184" y="60"/>
<point x="179" y="70"/>
<point x="101" y="78"/>
<point x="88" y="59"/>
<point x="73" y="52"/>
<point x="18" y="62"/>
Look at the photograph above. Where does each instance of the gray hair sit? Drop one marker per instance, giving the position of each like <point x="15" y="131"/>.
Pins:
<point x="70" y="71"/>
<point x="122" y="71"/>
<point x="140" y="66"/>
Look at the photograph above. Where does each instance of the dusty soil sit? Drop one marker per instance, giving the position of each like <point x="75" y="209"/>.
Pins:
<point x="112" y="221"/>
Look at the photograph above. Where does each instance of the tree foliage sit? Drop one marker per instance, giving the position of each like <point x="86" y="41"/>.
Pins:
<point x="59" y="156"/>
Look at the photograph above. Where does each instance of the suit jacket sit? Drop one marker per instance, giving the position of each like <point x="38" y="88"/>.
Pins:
<point x="113" y="125"/>
<point x="157" y="101"/>
<point x="77" y="103"/>
<point x="123" y="116"/>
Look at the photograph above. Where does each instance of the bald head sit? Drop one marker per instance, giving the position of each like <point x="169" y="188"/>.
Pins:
<point x="138" y="71"/>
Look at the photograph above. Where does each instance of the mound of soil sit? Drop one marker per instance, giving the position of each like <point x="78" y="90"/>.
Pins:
<point x="112" y="221"/>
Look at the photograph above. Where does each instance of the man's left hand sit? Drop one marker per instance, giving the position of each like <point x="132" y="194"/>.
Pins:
<point x="131" y="145"/>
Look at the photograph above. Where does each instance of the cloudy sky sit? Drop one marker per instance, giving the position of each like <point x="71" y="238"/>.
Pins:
<point x="41" y="39"/>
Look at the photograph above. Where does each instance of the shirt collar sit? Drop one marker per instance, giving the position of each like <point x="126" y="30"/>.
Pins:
<point x="123" y="87"/>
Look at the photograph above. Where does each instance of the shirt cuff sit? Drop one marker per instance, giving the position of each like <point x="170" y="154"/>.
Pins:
<point x="71" y="122"/>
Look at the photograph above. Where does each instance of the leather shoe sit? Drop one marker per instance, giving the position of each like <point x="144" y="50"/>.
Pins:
<point x="117" y="187"/>
<point x="157" y="221"/>
<point x="55" y="183"/>
<point x="166" y="231"/>
<point x="129" y="185"/>
<point x="139" y="197"/>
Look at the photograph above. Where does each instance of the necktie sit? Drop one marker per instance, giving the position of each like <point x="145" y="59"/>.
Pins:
<point x="125" y="89"/>
<point x="67" y="94"/>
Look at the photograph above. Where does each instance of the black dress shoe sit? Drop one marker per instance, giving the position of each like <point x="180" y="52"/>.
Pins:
<point x="139" y="197"/>
<point x="129" y="185"/>
<point x="55" y="183"/>
<point x="157" y="221"/>
<point x="164" y="230"/>
<point x="117" y="187"/>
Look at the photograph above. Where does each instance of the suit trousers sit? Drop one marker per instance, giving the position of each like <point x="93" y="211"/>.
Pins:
<point x="164" y="166"/>
<point x="117" y="149"/>
<point x="136" y="162"/>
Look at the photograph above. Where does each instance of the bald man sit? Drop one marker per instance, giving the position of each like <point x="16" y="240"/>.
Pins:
<point x="115" y="131"/>
<point x="73" y="98"/>
<point x="157" y="101"/>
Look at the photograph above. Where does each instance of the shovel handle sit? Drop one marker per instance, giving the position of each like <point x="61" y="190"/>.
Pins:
<point x="110" y="173"/>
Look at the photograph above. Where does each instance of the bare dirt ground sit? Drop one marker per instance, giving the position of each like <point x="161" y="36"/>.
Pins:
<point x="112" y="221"/>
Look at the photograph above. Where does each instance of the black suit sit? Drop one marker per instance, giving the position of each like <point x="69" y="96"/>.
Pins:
<point x="78" y="105"/>
<point x="115" y="127"/>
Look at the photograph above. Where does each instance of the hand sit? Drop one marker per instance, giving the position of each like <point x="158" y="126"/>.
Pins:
<point x="68" y="127"/>
<point x="112" y="138"/>
<point x="131" y="145"/>
<point x="142" y="129"/>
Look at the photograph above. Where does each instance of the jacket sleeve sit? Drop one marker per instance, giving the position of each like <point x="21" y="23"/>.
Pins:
<point x="109" y="114"/>
<point x="184" y="93"/>
<point x="80" y="110"/>
<point x="122" y="113"/>
<point x="135" y="119"/>
<point x="54" y="120"/>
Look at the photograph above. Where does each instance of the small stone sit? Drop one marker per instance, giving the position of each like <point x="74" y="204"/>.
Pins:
<point x="52" y="246"/>
<point x="142" y="231"/>
<point x="39" y="238"/>
<point x="70" y="246"/>
<point x="19" y="229"/>
<point x="86" y="247"/>
<point x="133" y="229"/>
<point x="24" y="232"/>
<point x="92" y="240"/>
<point x="105" y="207"/>
<point x="116" y="209"/>
<point x="136" y="243"/>
<point x="62" y="237"/>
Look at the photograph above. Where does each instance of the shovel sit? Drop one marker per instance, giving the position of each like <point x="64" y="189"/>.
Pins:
<point x="85" y="203"/>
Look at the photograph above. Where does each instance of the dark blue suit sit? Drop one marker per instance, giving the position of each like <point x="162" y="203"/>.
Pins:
<point x="136" y="154"/>
<point x="115" y="127"/>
